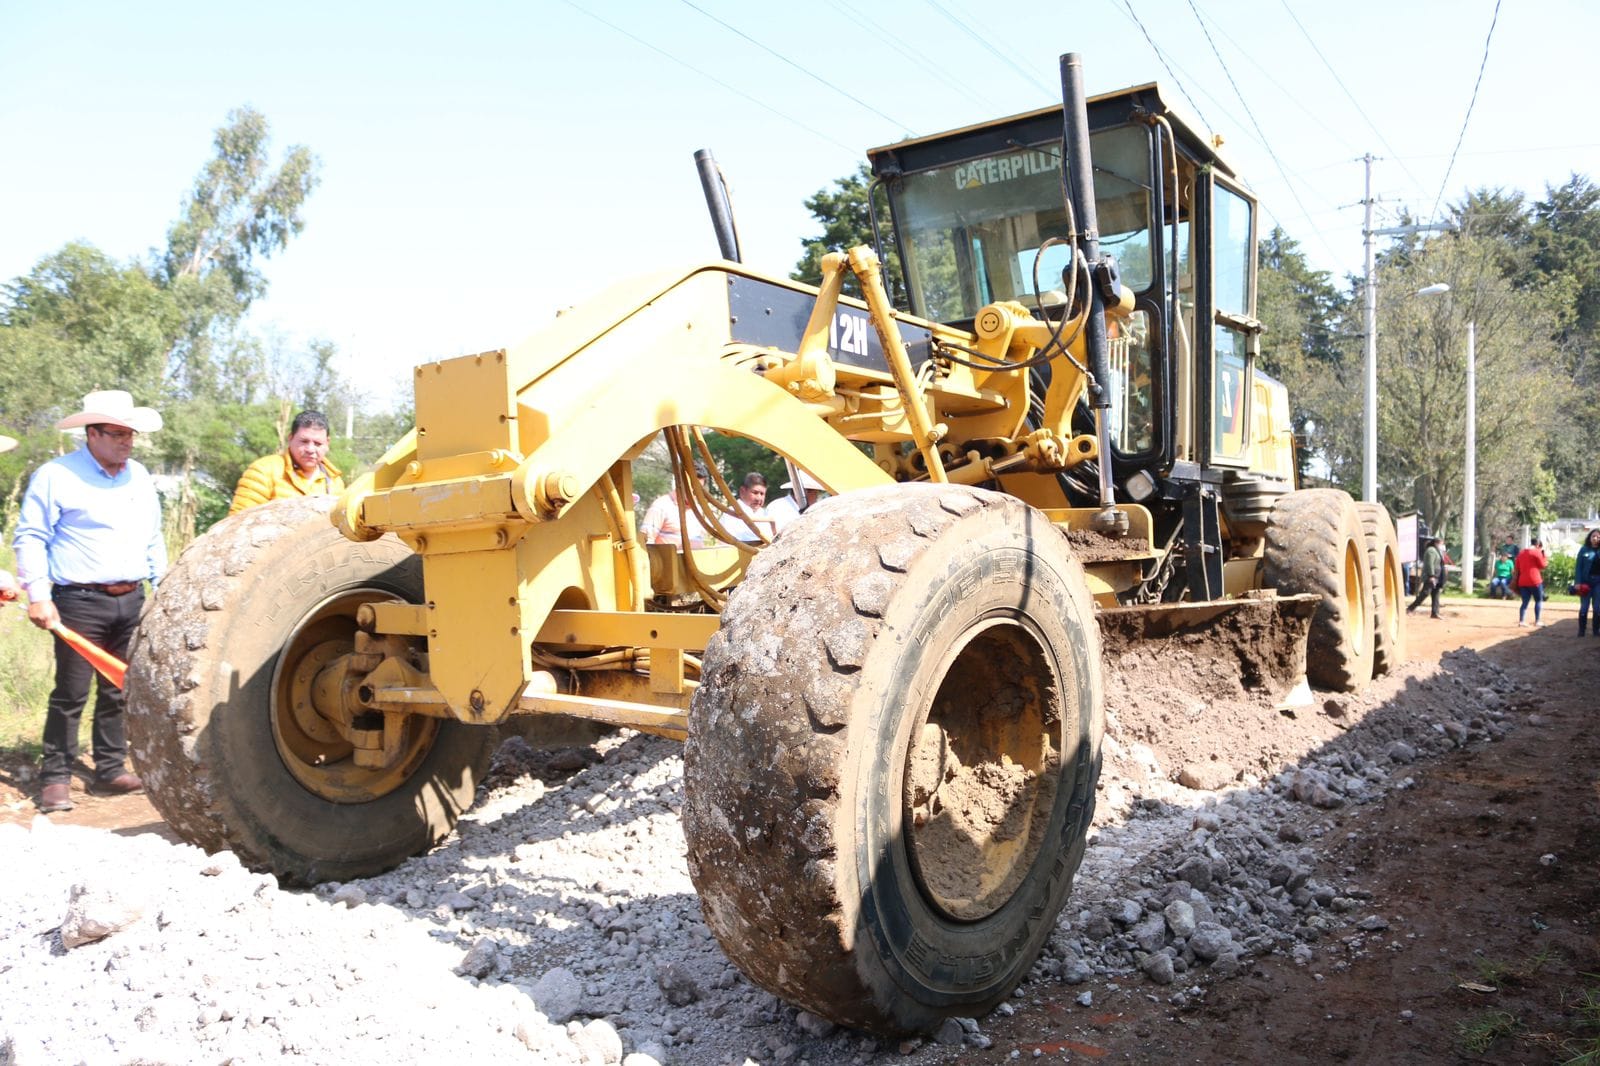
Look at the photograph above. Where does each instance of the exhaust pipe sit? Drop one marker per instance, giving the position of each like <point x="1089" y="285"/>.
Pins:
<point x="716" y="190"/>
<point x="1077" y="179"/>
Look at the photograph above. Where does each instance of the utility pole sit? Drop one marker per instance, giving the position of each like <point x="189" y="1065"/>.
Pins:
<point x="1369" y="407"/>
<point x="1369" y="435"/>
<point x="1469" y="516"/>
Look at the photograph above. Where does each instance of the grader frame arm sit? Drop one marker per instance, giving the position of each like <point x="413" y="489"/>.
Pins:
<point x="512" y="487"/>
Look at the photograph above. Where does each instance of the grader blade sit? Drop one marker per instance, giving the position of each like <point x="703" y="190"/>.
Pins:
<point x="1264" y="635"/>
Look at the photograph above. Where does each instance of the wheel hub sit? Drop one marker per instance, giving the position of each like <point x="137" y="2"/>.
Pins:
<point x="340" y="756"/>
<point x="982" y="768"/>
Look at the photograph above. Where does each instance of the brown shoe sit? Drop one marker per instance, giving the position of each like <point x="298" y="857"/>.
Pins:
<point x="123" y="784"/>
<point x="56" y="797"/>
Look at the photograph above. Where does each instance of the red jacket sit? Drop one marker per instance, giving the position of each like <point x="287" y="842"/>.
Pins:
<point x="1530" y="567"/>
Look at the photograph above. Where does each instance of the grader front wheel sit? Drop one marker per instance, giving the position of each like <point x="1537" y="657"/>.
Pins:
<point x="1388" y="588"/>
<point x="221" y="704"/>
<point x="1315" y="545"/>
<point x="892" y="756"/>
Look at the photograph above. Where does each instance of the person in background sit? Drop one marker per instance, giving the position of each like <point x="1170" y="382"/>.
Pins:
<point x="1586" y="575"/>
<point x="1432" y="577"/>
<point x="752" y="501"/>
<point x="660" y="524"/>
<point x="785" y="509"/>
<point x="300" y="469"/>
<point x="1500" y="583"/>
<point x="1530" y="565"/>
<point x="88" y="538"/>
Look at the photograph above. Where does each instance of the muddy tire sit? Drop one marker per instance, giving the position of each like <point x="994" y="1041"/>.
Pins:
<point x="891" y="759"/>
<point x="220" y="752"/>
<point x="1388" y="588"/>
<point x="1315" y="545"/>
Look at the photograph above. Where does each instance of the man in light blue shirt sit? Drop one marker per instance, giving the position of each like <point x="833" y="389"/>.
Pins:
<point x="88" y="537"/>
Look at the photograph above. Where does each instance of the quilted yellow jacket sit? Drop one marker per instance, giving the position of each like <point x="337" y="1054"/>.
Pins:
<point x="273" y="477"/>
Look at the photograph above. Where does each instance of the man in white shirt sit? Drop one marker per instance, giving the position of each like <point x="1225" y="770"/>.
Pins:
<point x="660" y="525"/>
<point x="752" y="501"/>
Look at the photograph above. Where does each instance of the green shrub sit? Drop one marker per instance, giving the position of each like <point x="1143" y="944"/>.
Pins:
<point x="1559" y="573"/>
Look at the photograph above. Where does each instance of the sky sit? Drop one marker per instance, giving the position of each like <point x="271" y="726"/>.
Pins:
<point x="484" y="165"/>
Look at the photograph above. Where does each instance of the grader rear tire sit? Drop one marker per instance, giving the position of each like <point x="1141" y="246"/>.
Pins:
<point x="1315" y="544"/>
<point x="248" y="609"/>
<point x="891" y="759"/>
<point x="1388" y="588"/>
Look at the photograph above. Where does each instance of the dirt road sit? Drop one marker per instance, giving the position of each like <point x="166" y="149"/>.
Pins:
<point x="1486" y="875"/>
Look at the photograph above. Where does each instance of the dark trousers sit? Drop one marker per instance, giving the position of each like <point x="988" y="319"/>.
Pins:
<point x="1428" y="585"/>
<point x="108" y="621"/>
<point x="1534" y="593"/>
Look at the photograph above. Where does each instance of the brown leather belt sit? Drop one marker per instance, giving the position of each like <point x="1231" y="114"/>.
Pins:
<point x="114" y="588"/>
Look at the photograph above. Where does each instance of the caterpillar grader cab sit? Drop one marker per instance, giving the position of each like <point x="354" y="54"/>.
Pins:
<point x="892" y="710"/>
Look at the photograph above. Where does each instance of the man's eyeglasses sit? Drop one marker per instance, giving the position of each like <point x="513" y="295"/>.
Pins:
<point x="119" y="435"/>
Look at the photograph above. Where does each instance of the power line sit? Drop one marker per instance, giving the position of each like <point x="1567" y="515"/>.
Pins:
<point x="1294" y="192"/>
<point x="991" y="49"/>
<point x="1287" y="94"/>
<point x="919" y="61"/>
<point x="1349" y="95"/>
<point x="1526" y="150"/>
<point x="713" y="78"/>
<point x="1163" y="57"/>
<point x="807" y="72"/>
<point x="1160" y="55"/>
<point x="1237" y="124"/>
<point x="1482" y="64"/>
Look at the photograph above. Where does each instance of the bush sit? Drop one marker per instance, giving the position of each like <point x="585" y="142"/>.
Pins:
<point x="1558" y="575"/>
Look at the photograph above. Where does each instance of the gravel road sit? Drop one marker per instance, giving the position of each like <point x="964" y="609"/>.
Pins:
<point x="558" y="924"/>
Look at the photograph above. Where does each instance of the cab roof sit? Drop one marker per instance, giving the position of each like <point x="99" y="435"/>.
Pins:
<point x="1043" y="125"/>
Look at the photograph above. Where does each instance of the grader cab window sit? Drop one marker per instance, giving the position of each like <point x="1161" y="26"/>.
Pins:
<point x="1129" y="355"/>
<point x="971" y="231"/>
<point x="1234" y="259"/>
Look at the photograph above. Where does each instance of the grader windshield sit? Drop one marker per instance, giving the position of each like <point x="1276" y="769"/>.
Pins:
<point x="974" y="211"/>
<point x="971" y="231"/>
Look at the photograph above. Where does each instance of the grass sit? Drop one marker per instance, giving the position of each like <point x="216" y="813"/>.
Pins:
<point x="1495" y="972"/>
<point x="1585" y="1051"/>
<point x="27" y="673"/>
<point x="1480" y="1033"/>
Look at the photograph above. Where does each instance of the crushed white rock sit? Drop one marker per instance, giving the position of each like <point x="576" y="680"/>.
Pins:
<point x="559" y="925"/>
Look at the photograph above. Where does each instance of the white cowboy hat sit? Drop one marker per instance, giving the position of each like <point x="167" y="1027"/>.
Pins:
<point x="7" y="443"/>
<point x="806" y="480"/>
<point x="113" y="407"/>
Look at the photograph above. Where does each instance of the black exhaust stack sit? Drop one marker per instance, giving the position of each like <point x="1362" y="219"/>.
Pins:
<point x="717" y="201"/>
<point x="1077" y="179"/>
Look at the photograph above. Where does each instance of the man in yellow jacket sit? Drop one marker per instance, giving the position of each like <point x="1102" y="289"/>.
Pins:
<point x="301" y="469"/>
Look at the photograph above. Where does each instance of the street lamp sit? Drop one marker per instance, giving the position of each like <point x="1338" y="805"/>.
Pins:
<point x="1469" y="502"/>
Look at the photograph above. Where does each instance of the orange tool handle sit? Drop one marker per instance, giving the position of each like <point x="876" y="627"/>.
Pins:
<point x="111" y="668"/>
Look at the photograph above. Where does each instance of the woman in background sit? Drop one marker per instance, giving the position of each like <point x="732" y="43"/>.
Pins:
<point x="1586" y="575"/>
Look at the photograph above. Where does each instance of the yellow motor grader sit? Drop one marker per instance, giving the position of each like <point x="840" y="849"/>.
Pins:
<point x="893" y="709"/>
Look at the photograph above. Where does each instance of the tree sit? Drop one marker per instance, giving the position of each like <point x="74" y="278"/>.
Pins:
<point x="239" y="210"/>
<point x="167" y="330"/>
<point x="1565" y="264"/>
<point x="1422" y="363"/>
<point x="846" y="220"/>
